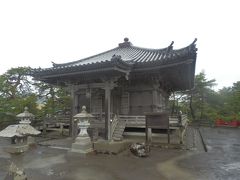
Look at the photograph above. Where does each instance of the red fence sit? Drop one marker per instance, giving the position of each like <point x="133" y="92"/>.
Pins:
<point x="233" y="123"/>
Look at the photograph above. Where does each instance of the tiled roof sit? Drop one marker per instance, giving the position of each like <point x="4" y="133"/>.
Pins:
<point x="175" y="66"/>
<point x="134" y="55"/>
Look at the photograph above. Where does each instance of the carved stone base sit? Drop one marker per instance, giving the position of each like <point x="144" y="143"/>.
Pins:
<point x="31" y="140"/>
<point x="16" y="149"/>
<point x="14" y="173"/>
<point x="82" y="145"/>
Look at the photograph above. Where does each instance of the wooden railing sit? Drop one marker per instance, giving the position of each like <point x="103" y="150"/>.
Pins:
<point x="56" y="123"/>
<point x="139" y="121"/>
<point x="133" y="121"/>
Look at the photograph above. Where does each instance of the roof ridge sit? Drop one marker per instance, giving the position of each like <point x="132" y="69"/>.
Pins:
<point x="152" y="49"/>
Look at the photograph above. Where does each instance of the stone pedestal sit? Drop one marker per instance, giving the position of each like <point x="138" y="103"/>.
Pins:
<point x="31" y="140"/>
<point x="82" y="145"/>
<point x="15" y="173"/>
<point x="16" y="170"/>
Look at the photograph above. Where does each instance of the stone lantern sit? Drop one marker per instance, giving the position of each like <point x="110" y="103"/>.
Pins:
<point x="82" y="142"/>
<point x="25" y="117"/>
<point x="20" y="136"/>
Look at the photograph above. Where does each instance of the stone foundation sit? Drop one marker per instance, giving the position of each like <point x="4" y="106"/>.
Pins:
<point x="82" y="145"/>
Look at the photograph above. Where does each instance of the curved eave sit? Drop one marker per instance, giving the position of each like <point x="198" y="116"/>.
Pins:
<point x="106" y="66"/>
<point x="177" y="57"/>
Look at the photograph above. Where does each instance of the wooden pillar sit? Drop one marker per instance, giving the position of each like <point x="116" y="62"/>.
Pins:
<point x="72" y="126"/>
<point x="155" y="100"/>
<point x="107" y="112"/>
<point x="109" y="85"/>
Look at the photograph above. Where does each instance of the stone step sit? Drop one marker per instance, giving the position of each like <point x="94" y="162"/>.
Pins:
<point x="117" y="139"/>
<point x="121" y="125"/>
<point x="119" y="129"/>
<point x="117" y="134"/>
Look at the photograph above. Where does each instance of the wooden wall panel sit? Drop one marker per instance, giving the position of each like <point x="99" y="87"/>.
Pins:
<point x="124" y="105"/>
<point x="96" y="103"/>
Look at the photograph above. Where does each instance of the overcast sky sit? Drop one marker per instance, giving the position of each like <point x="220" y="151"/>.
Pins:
<point x="34" y="33"/>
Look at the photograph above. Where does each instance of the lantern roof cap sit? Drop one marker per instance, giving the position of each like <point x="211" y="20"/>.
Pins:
<point x="25" y="114"/>
<point x="83" y="113"/>
<point x="19" y="130"/>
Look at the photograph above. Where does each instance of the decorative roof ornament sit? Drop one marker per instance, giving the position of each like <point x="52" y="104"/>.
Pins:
<point x="192" y="46"/>
<point x="116" y="57"/>
<point x="126" y="43"/>
<point x="53" y="64"/>
<point x="195" y="40"/>
<point x="170" y="47"/>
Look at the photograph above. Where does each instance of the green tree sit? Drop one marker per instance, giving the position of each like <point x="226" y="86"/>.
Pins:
<point x="199" y="103"/>
<point x="230" y="97"/>
<point x="16" y="92"/>
<point x="198" y="98"/>
<point x="16" y="82"/>
<point x="54" y="99"/>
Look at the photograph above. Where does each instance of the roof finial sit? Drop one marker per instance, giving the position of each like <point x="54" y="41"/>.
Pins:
<point x="25" y="109"/>
<point x="170" y="47"/>
<point x="116" y="57"/>
<point x="53" y="64"/>
<point x="171" y="43"/>
<point x="126" y="43"/>
<point x="195" y="40"/>
<point x="84" y="108"/>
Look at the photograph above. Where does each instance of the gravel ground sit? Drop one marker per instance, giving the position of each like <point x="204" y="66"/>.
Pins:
<point x="222" y="161"/>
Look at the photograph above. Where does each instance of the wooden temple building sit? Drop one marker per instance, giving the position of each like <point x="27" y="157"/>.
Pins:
<point x="124" y="83"/>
